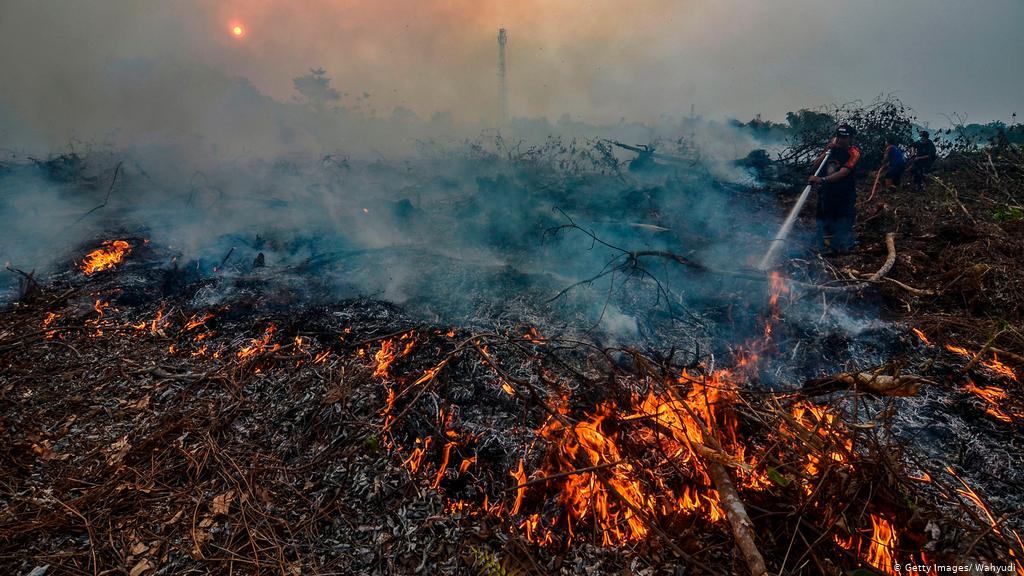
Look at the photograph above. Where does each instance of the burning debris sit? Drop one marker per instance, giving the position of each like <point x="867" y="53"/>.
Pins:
<point x="112" y="253"/>
<point x="169" y="415"/>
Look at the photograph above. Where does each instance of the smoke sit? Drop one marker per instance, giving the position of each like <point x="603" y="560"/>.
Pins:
<point x="401" y="189"/>
<point x="121" y="70"/>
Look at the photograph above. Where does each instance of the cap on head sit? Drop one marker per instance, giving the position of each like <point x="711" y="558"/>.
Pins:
<point x="845" y="130"/>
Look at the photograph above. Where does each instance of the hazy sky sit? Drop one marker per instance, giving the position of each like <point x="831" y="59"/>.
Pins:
<point x="598" y="60"/>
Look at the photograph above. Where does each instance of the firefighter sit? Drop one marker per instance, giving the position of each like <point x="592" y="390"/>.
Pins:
<point x="893" y="163"/>
<point x="837" y="194"/>
<point x="924" y="157"/>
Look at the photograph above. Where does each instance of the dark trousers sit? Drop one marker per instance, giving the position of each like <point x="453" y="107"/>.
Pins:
<point x="836" y="234"/>
<point x="917" y="171"/>
<point x="837" y="208"/>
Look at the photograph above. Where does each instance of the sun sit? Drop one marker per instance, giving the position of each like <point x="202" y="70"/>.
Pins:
<point x="237" y="30"/>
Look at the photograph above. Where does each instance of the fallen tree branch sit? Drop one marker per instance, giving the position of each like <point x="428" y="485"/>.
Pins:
<point x="879" y="384"/>
<point x="911" y="289"/>
<point x="890" y="259"/>
<point x="736" y="512"/>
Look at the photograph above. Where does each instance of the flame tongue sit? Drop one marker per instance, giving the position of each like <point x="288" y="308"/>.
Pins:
<point x="112" y="253"/>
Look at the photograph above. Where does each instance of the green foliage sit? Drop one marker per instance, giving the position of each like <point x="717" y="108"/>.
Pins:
<point x="810" y="121"/>
<point x="1008" y="214"/>
<point x="778" y="478"/>
<point x="488" y="563"/>
<point x="372" y="444"/>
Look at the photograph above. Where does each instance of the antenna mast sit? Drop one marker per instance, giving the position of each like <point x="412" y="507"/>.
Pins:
<point x="502" y="82"/>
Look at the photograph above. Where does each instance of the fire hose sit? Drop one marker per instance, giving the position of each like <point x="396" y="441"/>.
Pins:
<point x="787" y="225"/>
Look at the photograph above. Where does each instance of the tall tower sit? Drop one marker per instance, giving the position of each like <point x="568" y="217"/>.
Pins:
<point x="502" y="82"/>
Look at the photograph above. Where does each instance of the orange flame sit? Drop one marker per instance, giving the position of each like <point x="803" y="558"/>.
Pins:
<point x="883" y="543"/>
<point x="444" y="464"/>
<point x="520" y="477"/>
<point x="534" y="336"/>
<point x="259" y="345"/>
<point x="922" y="336"/>
<point x="991" y="395"/>
<point x="197" y="321"/>
<point x="999" y="368"/>
<point x="111" y="254"/>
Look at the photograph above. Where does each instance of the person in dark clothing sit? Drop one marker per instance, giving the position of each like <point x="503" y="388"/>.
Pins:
<point x="893" y="163"/>
<point x="837" y="193"/>
<point x="924" y="157"/>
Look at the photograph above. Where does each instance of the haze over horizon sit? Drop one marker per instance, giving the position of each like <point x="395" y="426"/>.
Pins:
<point x="597" y="63"/>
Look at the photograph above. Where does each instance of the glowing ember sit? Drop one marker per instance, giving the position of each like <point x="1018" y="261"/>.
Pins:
<point x="534" y="336"/>
<point x="921" y="335"/>
<point x="112" y="253"/>
<point x="50" y="318"/>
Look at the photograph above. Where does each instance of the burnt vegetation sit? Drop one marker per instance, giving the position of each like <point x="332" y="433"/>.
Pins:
<point x="234" y="415"/>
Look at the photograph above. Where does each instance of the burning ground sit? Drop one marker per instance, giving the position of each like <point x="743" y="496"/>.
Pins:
<point x="460" y="364"/>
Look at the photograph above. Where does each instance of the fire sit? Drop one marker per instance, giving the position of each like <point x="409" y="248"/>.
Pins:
<point x="922" y="336"/>
<point x="447" y="452"/>
<point x="520" y="477"/>
<point x="999" y="368"/>
<point x="388" y="353"/>
<point x="883" y="543"/>
<point x="51" y="317"/>
<point x="969" y="493"/>
<point x="994" y="364"/>
<point x="384" y="357"/>
<point x="776" y="287"/>
<point x="601" y="488"/>
<point x="99" y="306"/>
<point x="157" y="321"/>
<point x="112" y="253"/>
<point x="991" y="395"/>
<point x="825" y="425"/>
<point x="259" y="345"/>
<point x="196" y="321"/>
<point x="532" y="335"/>
<point x="416" y="457"/>
<point x="958" y="350"/>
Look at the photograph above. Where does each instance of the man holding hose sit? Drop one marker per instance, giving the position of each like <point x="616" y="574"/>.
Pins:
<point x="837" y="194"/>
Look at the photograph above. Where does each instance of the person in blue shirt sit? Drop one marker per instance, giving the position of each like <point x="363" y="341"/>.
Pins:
<point x="894" y="163"/>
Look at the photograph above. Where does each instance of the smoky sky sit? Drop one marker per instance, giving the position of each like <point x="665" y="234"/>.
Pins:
<point x="64" y="62"/>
